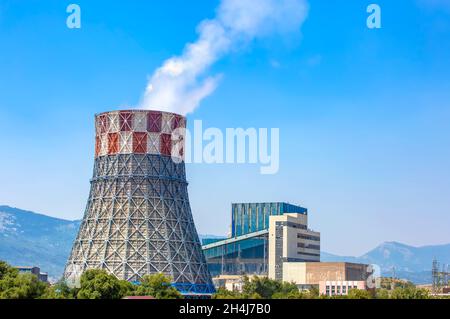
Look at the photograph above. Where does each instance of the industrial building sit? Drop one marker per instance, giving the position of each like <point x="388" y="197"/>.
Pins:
<point x="42" y="276"/>
<point x="231" y="282"/>
<point x="340" y="288"/>
<point x="291" y="242"/>
<point x="273" y="240"/>
<point x="331" y="278"/>
<point x="138" y="218"/>
<point x="309" y="274"/>
<point x="263" y="237"/>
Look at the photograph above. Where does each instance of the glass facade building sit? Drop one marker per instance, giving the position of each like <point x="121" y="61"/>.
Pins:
<point x="246" y="256"/>
<point x="246" y="250"/>
<point x="249" y="218"/>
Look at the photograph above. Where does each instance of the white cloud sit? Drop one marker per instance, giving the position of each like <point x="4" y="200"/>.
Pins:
<point x="182" y="82"/>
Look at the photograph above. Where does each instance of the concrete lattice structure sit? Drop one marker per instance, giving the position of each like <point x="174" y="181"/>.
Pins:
<point x="138" y="219"/>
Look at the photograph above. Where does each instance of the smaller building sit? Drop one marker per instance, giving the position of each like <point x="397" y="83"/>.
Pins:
<point x="42" y="276"/>
<point x="247" y="218"/>
<point x="311" y="274"/>
<point x="229" y="282"/>
<point x="340" y="288"/>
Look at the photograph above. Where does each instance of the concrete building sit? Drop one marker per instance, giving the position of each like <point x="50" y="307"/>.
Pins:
<point x="231" y="282"/>
<point x="273" y="240"/>
<point x="42" y="276"/>
<point x="263" y="236"/>
<point x="290" y="241"/>
<point x="309" y="274"/>
<point x="340" y="288"/>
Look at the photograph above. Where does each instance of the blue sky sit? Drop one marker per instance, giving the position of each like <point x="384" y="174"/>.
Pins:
<point x="363" y="114"/>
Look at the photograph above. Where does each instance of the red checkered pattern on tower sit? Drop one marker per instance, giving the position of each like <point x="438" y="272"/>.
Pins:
<point x="136" y="132"/>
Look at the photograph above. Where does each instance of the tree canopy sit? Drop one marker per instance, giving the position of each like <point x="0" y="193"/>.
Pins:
<point x="266" y="288"/>
<point x="158" y="286"/>
<point x="14" y="285"/>
<point x="98" y="284"/>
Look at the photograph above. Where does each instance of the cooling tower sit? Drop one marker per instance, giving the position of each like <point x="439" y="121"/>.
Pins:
<point x="138" y="219"/>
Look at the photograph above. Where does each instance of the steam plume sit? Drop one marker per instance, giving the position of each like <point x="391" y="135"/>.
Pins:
<point x="182" y="82"/>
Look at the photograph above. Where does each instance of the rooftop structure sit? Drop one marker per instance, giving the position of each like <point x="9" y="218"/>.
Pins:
<point x="247" y="218"/>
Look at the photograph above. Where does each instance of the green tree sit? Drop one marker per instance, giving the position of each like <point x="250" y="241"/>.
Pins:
<point x="98" y="284"/>
<point x="264" y="287"/>
<point x="7" y="270"/>
<point x="158" y="286"/>
<point x="267" y="288"/>
<point x="404" y="284"/>
<point x="289" y="287"/>
<point x="223" y="293"/>
<point x="21" y="286"/>
<point x="127" y="288"/>
<point x="410" y="293"/>
<point x="382" y="294"/>
<point x="359" y="294"/>
<point x="254" y="296"/>
<point x="289" y="291"/>
<point x="290" y="295"/>
<point x="313" y="293"/>
<point x="59" y="291"/>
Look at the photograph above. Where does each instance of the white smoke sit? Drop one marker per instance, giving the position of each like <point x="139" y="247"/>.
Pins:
<point x="181" y="83"/>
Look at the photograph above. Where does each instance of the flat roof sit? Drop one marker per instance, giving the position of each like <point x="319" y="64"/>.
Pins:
<point x="235" y="239"/>
<point x="261" y="203"/>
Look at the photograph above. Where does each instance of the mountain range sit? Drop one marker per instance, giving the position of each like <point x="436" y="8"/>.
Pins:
<point x="32" y="239"/>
